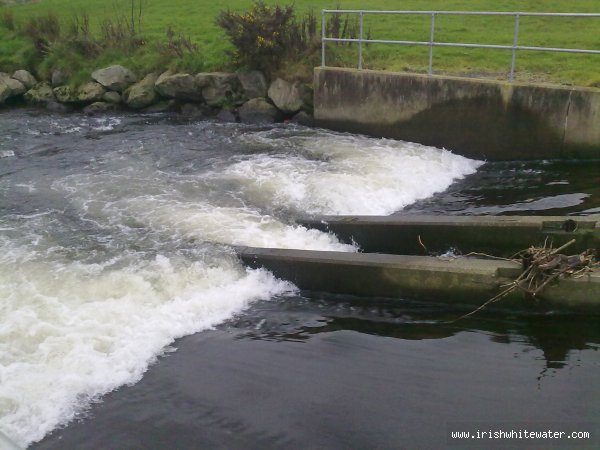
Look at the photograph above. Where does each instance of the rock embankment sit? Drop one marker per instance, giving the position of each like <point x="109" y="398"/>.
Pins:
<point x="242" y="97"/>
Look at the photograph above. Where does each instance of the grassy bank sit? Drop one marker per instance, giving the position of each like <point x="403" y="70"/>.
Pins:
<point x="193" y="22"/>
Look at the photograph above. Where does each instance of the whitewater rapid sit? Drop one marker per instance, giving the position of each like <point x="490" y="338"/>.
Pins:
<point x="116" y="235"/>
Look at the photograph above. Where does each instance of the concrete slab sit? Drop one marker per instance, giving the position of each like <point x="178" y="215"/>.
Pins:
<point x="450" y="280"/>
<point x="484" y="119"/>
<point x="497" y="235"/>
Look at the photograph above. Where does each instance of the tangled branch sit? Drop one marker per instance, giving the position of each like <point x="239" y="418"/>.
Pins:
<point x="541" y="266"/>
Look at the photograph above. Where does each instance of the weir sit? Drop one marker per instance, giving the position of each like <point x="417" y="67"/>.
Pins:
<point x="498" y="235"/>
<point x="448" y="280"/>
<point x="470" y="279"/>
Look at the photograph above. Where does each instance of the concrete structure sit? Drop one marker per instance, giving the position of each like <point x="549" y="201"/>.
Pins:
<point x="497" y="235"/>
<point x="451" y="280"/>
<point x="482" y="119"/>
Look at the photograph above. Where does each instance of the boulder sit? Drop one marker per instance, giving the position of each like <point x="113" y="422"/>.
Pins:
<point x="258" y="110"/>
<point x="99" y="108"/>
<point x="41" y="93"/>
<point x="289" y="97"/>
<point x="253" y="83"/>
<point x="114" y="78"/>
<point x="26" y="78"/>
<point x="59" y="78"/>
<point x="220" y="88"/>
<point x="4" y="92"/>
<point x="9" y="87"/>
<point x="66" y="94"/>
<point x="192" y="110"/>
<point x="226" y="115"/>
<point x="90" y="92"/>
<point x="303" y="118"/>
<point x="142" y="93"/>
<point x="181" y="86"/>
<point x="162" y="106"/>
<point x="58" y="107"/>
<point x="111" y="97"/>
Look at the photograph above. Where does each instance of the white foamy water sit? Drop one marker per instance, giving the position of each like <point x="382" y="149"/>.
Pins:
<point x="72" y="332"/>
<point x="344" y="174"/>
<point x="111" y="252"/>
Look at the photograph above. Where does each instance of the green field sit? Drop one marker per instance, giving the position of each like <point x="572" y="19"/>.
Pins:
<point x="196" y="19"/>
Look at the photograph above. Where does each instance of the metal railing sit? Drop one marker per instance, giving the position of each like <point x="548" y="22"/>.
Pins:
<point x="432" y="43"/>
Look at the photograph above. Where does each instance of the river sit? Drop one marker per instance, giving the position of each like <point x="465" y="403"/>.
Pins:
<point x="126" y="316"/>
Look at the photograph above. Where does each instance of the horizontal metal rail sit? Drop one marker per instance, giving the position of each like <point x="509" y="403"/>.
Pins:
<point x="432" y="43"/>
<point x="464" y="13"/>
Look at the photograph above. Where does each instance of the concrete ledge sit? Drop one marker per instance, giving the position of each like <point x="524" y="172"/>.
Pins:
<point x="456" y="280"/>
<point x="497" y="235"/>
<point x="482" y="119"/>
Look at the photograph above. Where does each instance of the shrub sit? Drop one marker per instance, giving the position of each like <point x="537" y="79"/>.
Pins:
<point x="262" y="36"/>
<point x="271" y="37"/>
<point x="177" y="45"/>
<point x="119" y="34"/>
<point x="43" y="31"/>
<point x="80" y="38"/>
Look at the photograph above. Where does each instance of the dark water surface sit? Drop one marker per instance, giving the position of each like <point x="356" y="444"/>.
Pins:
<point x="115" y="237"/>
<point x="313" y="372"/>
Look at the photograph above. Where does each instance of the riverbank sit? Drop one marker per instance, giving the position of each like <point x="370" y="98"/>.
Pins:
<point x="246" y="97"/>
<point x="196" y="23"/>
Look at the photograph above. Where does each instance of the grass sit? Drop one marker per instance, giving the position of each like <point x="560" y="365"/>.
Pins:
<point x="196" y="19"/>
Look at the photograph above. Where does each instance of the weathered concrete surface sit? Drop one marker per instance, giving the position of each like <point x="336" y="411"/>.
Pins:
<point x="482" y="119"/>
<point x="450" y="280"/>
<point x="496" y="235"/>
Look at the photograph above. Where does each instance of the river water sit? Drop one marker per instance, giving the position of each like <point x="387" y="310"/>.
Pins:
<point x="115" y="243"/>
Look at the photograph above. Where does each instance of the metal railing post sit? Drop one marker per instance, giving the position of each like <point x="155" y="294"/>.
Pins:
<point x="360" y="40"/>
<point x="322" y="38"/>
<point x="514" y="50"/>
<point x="431" y="33"/>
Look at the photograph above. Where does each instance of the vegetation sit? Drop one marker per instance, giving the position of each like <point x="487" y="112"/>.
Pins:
<point x="265" y="36"/>
<point x="80" y="35"/>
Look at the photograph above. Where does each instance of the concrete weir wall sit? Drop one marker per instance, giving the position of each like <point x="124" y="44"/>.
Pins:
<point x="482" y="119"/>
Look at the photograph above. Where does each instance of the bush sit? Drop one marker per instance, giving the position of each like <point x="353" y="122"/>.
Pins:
<point x="43" y="31"/>
<point x="177" y="45"/>
<point x="262" y="36"/>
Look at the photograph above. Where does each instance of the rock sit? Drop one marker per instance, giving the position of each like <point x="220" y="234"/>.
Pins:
<point x="303" y="118"/>
<point x="226" y="115"/>
<point x="99" y="108"/>
<point x="162" y="106"/>
<point x="59" y="78"/>
<point x="142" y="93"/>
<point x="220" y="88"/>
<point x="57" y="107"/>
<point x="26" y="78"/>
<point x="114" y="78"/>
<point x="9" y="87"/>
<point x="181" y="86"/>
<point x="258" y="110"/>
<point x="41" y="93"/>
<point x="90" y="92"/>
<point x="66" y="94"/>
<point x="254" y="84"/>
<point x="192" y="110"/>
<point x="289" y="97"/>
<point x="4" y="92"/>
<point x="111" y="97"/>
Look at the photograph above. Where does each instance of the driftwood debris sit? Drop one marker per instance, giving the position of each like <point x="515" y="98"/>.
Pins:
<point x="541" y="266"/>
